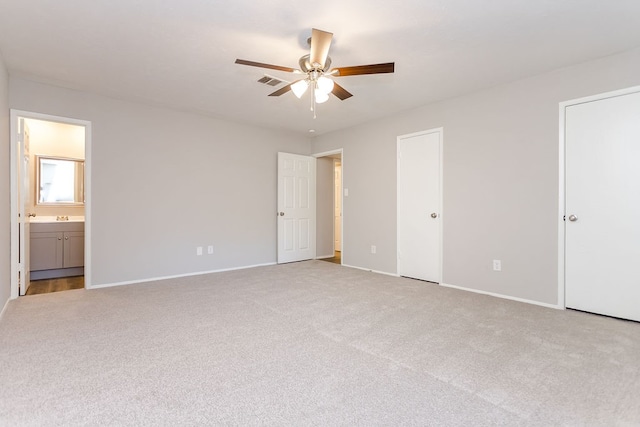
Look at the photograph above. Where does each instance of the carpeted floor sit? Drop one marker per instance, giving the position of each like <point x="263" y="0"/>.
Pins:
<point x="310" y="343"/>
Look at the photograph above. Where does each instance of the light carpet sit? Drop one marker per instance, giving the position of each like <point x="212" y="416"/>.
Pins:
<point x="310" y="343"/>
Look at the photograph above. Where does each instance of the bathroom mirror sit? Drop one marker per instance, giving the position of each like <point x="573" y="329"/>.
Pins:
<point x="59" y="181"/>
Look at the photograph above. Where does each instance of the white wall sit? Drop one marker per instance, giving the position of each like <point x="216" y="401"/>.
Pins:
<point x="500" y="179"/>
<point x="5" y="195"/>
<point x="164" y="182"/>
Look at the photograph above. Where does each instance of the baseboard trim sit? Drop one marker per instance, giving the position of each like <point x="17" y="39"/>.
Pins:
<point x="493" y="294"/>
<point x="57" y="273"/>
<point x="177" y="276"/>
<point x="372" y="271"/>
<point x="325" y="256"/>
<point x="4" y="309"/>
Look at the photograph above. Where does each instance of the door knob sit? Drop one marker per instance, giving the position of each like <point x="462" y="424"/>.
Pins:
<point x="573" y="218"/>
<point x="281" y="213"/>
<point x="434" y="215"/>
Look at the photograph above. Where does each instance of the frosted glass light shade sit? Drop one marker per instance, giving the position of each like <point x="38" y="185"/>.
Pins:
<point x="321" y="96"/>
<point x="299" y="88"/>
<point x="325" y="84"/>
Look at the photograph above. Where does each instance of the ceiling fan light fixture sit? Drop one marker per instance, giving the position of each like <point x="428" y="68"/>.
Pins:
<point x="320" y="96"/>
<point x="299" y="88"/>
<point x="325" y="84"/>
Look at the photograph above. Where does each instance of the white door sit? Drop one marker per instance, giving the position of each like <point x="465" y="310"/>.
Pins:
<point x="419" y="205"/>
<point x="296" y="207"/>
<point x="602" y="208"/>
<point x="337" y="193"/>
<point x="24" y="205"/>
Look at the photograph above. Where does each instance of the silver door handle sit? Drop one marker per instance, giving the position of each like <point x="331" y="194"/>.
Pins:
<point x="434" y="215"/>
<point x="573" y="218"/>
<point x="281" y="213"/>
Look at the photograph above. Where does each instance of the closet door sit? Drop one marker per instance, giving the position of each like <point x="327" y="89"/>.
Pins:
<point x="602" y="221"/>
<point x="419" y="205"/>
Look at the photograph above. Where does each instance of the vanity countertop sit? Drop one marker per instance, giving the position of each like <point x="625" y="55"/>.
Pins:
<point x="53" y="218"/>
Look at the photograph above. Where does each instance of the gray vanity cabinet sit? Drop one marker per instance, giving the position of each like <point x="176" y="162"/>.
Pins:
<point x="46" y="250"/>
<point x="56" y="249"/>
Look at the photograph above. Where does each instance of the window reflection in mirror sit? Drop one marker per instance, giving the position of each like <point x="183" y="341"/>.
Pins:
<point x="60" y="181"/>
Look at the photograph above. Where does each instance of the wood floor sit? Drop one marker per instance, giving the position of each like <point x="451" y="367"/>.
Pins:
<point x="55" y="285"/>
<point x="337" y="258"/>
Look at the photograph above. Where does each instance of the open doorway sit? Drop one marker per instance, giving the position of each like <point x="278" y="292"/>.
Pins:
<point x="329" y="203"/>
<point x="49" y="203"/>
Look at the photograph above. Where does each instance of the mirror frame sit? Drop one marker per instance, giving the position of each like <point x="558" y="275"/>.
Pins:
<point x="38" y="186"/>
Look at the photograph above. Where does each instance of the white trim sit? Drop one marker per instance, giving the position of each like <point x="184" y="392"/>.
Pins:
<point x="326" y="154"/>
<point x="562" y="178"/>
<point x="325" y="256"/>
<point x="371" y="271"/>
<point x="177" y="276"/>
<point x="13" y="125"/>
<point x="502" y="296"/>
<point x="4" y="309"/>
<point x="440" y="131"/>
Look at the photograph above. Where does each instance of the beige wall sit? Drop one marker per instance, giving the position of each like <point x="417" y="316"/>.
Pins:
<point x="500" y="179"/>
<point x="55" y="140"/>
<point x="5" y="195"/>
<point x="164" y="182"/>
<point x="324" y="207"/>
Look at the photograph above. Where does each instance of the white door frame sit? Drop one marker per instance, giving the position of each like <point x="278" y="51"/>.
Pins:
<point x="331" y="153"/>
<point x="562" y="180"/>
<point x="14" y="115"/>
<point x="439" y="131"/>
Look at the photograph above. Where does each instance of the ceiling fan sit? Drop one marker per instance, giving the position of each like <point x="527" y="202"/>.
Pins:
<point x="315" y="68"/>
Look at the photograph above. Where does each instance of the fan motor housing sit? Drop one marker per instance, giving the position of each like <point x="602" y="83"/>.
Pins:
<point x="306" y="66"/>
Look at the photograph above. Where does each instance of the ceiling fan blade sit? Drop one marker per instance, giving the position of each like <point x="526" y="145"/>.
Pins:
<point x="282" y="90"/>
<point x="320" y="43"/>
<point x="262" y="65"/>
<point x="340" y="92"/>
<point x="387" y="67"/>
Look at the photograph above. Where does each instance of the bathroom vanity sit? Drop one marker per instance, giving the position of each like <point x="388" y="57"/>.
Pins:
<point x="56" y="249"/>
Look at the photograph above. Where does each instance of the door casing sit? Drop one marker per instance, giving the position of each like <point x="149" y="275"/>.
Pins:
<point x="15" y="238"/>
<point x="339" y="151"/>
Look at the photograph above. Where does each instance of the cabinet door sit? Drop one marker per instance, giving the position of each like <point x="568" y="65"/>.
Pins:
<point x="45" y="250"/>
<point x="73" y="249"/>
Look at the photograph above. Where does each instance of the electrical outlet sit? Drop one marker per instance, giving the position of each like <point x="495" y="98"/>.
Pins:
<point x="210" y="249"/>
<point x="199" y="250"/>
<point x="373" y="249"/>
<point x="346" y="192"/>
<point x="497" y="265"/>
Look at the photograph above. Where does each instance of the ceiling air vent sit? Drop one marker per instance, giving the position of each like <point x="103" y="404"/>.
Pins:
<point x="270" y="80"/>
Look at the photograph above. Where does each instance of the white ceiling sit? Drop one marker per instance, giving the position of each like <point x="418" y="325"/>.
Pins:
<point x="181" y="53"/>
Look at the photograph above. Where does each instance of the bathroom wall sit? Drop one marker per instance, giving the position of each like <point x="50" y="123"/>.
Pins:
<point x="5" y="194"/>
<point x="164" y="182"/>
<point x="55" y="140"/>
